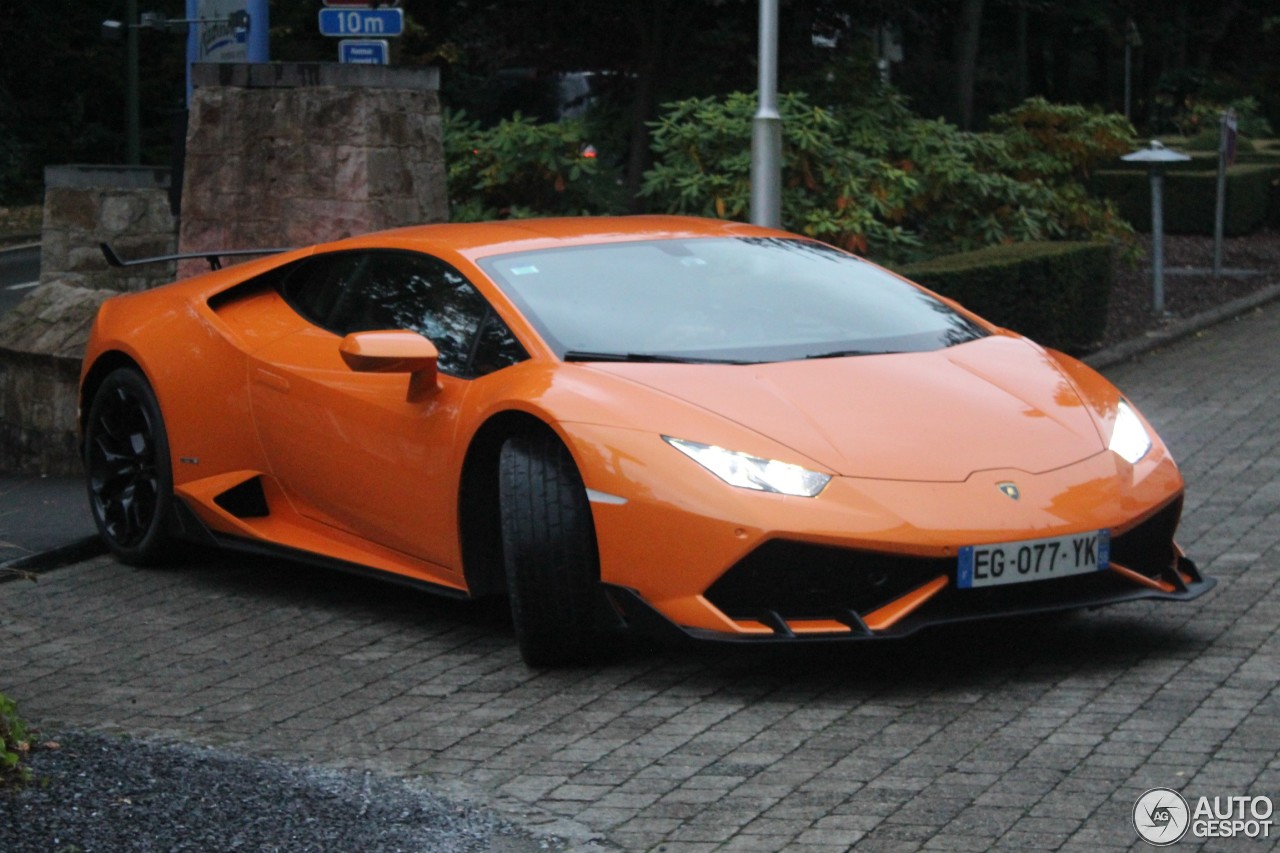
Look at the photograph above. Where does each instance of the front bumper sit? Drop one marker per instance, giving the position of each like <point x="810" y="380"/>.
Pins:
<point x="866" y="558"/>
<point x="936" y="602"/>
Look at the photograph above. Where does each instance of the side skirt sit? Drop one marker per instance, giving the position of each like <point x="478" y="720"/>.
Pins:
<point x="187" y="526"/>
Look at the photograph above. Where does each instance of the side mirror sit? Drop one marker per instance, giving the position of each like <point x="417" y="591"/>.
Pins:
<point x="393" y="352"/>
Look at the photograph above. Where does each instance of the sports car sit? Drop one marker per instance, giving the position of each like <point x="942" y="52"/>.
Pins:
<point x="700" y="428"/>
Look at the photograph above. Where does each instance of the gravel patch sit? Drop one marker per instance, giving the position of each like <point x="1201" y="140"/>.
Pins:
<point x="1250" y="264"/>
<point x="100" y="794"/>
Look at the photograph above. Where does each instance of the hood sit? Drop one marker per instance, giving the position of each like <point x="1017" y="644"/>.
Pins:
<point x="998" y="402"/>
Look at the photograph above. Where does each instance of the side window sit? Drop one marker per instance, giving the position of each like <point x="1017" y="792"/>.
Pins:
<point x="403" y="290"/>
<point x="426" y="295"/>
<point x="497" y="347"/>
<point x="318" y="287"/>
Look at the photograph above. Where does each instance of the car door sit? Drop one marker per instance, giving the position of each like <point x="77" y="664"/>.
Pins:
<point x="356" y="450"/>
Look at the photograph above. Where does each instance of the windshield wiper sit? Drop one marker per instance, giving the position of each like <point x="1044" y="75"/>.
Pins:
<point x="844" y="353"/>
<point x="651" y="357"/>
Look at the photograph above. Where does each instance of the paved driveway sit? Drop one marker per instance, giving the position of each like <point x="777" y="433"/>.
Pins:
<point x="1022" y="734"/>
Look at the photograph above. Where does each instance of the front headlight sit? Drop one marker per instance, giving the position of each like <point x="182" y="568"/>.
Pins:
<point x="752" y="472"/>
<point x="1129" y="438"/>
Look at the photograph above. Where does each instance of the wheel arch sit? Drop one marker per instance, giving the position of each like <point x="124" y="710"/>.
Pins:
<point x="479" y="520"/>
<point x="101" y="368"/>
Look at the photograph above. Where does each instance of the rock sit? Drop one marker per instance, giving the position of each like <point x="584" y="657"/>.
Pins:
<point x="42" y="340"/>
<point x="54" y="319"/>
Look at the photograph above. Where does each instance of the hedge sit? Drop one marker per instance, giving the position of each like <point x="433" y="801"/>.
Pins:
<point x="1189" y="197"/>
<point x="1054" y="293"/>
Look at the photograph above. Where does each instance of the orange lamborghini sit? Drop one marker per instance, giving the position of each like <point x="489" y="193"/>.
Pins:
<point x="698" y="427"/>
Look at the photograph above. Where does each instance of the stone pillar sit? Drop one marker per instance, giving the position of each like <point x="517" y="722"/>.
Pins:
<point x="288" y="154"/>
<point x="41" y="343"/>
<point x="126" y="206"/>
<point x="42" y="339"/>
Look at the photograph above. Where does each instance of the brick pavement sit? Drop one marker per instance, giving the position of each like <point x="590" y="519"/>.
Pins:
<point x="1023" y="734"/>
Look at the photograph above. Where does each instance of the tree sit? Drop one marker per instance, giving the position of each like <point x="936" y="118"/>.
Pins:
<point x="968" y="31"/>
<point x="62" y="90"/>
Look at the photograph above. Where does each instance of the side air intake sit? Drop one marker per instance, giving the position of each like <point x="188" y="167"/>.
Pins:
<point x="246" y="500"/>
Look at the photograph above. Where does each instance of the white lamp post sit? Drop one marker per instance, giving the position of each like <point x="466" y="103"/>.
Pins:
<point x="766" y="127"/>
<point x="1157" y="158"/>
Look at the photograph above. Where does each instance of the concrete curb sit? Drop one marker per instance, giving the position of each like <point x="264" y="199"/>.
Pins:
<point x="55" y="558"/>
<point x="1131" y="349"/>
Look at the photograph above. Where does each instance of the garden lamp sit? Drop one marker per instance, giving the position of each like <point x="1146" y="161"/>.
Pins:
<point x="1157" y="158"/>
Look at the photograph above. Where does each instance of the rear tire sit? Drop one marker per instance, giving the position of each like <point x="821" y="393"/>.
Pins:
<point x="126" y="460"/>
<point x="550" y="554"/>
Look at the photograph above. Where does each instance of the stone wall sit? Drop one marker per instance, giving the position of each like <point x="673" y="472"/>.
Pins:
<point x="42" y="340"/>
<point x="282" y="155"/>
<point x="126" y="206"/>
<point x="41" y="343"/>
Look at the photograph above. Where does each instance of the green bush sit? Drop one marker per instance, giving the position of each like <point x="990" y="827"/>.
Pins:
<point x="1199" y="116"/>
<point x="1190" y="197"/>
<point x="521" y="168"/>
<point x="1054" y="293"/>
<point x="875" y="178"/>
<point x="1203" y="150"/>
<point x="13" y="744"/>
<point x="831" y="190"/>
<point x="1063" y="141"/>
<point x="1208" y="140"/>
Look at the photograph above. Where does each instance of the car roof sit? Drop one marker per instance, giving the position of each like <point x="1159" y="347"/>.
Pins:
<point x="480" y="239"/>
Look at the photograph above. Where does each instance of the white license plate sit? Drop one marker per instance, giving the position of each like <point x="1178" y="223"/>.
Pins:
<point x="1033" y="559"/>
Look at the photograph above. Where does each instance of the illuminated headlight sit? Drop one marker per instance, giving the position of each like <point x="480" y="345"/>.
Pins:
<point x="752" y="472"/>
<point x="1129" y="438"/>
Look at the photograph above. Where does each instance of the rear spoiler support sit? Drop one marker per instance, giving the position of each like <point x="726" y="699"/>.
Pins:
<point x="214" y="258"/>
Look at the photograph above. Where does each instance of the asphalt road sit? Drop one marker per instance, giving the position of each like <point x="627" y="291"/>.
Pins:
<point x="1020" y="734"/>
<point x="19" y="272"/>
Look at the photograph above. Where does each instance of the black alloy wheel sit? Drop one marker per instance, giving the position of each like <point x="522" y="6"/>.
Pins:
<point x="127" y="461"/>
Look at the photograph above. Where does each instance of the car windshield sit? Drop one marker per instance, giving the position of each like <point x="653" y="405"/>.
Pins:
<point x="736" y="300"/>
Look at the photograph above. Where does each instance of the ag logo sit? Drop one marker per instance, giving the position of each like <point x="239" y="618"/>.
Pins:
<point x="1161" y="816"/>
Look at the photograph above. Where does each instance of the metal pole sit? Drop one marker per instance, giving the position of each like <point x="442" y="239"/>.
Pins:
<point x="766" y="127"/>
<point x="1128" y="80"/>
<point x="133" y="123"/>
<point x="882" y="53"/>
<point x="1220" y="206"/>
<point x="1157" y="238"/>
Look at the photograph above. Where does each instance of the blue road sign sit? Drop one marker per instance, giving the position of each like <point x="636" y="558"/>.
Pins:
<point x="363" y="51"/>
<point x="369" y="23"/>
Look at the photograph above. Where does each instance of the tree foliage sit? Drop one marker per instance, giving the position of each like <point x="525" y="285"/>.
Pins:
<point x="831" y="190"/>
<point x="62" y="86"/>
<point x="876" y="178"/>
<point x="521" y="167"/>
<point x="62" y="90"/>
<point x="1062" y="141"/>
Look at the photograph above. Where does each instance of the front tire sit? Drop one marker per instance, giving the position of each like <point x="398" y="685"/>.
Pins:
<point x="130" y="478"/>
<point x="550" y="554"/>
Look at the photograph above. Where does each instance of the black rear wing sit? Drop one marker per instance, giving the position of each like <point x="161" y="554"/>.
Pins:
<point x="214" y="258"/>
